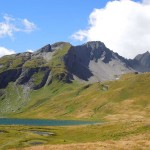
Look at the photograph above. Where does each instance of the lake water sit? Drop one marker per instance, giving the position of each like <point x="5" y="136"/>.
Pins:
<point x="43" y="122"/>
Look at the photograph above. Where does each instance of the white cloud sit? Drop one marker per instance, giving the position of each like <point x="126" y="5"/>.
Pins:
<point x="29" y="26"/>
<point x="29" y="50"/>
<point x="10" y="25"/>
<point x="7" y="27"/>
<point x="123" y="25"/>
<point x="5" y="51"/>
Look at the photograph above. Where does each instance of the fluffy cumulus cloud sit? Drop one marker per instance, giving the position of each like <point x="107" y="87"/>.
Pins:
<point x="10" y="25"/>
<point x="5" y="51"/>
<point x="123" y="25"/>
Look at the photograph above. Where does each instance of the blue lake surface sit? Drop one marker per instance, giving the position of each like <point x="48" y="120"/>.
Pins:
<point x="43" y="122"/>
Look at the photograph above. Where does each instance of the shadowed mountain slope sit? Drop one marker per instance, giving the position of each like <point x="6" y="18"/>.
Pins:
<point x="93" y="62"/>
<point x="31" y="81"/>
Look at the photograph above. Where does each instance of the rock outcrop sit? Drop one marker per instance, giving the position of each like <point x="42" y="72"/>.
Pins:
<point x="141" y="62"/>
<point x="93" y="62"/>
<point x="90" y="62"/>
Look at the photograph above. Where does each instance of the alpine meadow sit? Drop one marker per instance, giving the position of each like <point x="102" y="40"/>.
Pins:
<point x="67" y="89"/>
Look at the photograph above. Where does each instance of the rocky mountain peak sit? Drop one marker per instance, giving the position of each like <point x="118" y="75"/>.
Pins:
<point x="94" y="44"/>
<point x="91" y="61"/>
<point x="95" y="50"/>
<point x="46" y="48"/>
<point x="147" y="52"/>
<point x="59" y="45"/>
<point x="143" y="59"/>
<point x="141" y="62"/>
<point x="142" y="56"/>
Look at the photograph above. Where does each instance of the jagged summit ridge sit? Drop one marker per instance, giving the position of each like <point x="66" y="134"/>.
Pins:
<point x="94" y="44"/>
<point x="93" y="61"/>
<point x="144" y="59"/>
<point x="46" y="48"/>
<point x="89" y="62"/>
<point x="141" y="62"/>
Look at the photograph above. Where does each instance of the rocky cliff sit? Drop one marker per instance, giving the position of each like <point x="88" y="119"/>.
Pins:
<point x="90" y="62"/>
<point x="141" y="62"/>
<point x="93" y="62"/>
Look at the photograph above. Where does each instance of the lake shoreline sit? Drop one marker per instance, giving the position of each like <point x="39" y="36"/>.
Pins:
<point x="44" y="122"/>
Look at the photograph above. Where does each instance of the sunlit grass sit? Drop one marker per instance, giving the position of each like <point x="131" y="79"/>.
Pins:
<point x="22" y="136"/>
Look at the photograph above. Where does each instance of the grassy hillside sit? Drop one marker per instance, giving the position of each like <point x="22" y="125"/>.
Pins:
<point x="130" y="135"/>
<point x="13" y="61"/>
<point x="57" y="65"/>
<point x="124" y="105"/>
<point x="16" y="95"/>
<point x="126" y="98"/>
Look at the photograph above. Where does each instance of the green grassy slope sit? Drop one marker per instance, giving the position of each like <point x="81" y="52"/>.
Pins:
<point x="58" y="68"/>
<point x="14" y="97"/>
<point x="127" y="98"/>
<point x="13" y="61"/>
<point x="123" y="103"/>
<point x="137" y="133"/>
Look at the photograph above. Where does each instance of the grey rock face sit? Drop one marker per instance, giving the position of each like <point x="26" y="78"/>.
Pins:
<point x="27" y="77"/>
<point x="141" y="62"/>
<point x="94" y="62"/>
<point x="46" y="48"/>
<point x="91" y="62"/>
<point x="9" y="76"/>
<point x="23" y="75"/>
<point x="144" y="59"/>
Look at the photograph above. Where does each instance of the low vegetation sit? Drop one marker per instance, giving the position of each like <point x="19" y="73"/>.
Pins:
<point x="34" y="63"/>
<point x="127" y="98"/>
<point x="57" y="65"/>
<point x="13" y="61"/>
<point x="123" y="105"/>
<point x="108" y="133"/>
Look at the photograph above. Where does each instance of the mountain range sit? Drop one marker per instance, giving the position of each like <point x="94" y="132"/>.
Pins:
<point x="61" y="80"/>
<point x="90" y="62"/>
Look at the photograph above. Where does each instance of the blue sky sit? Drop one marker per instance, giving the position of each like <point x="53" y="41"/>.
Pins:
<point x="31" y="24"/>
<point x="55" y="21"/>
